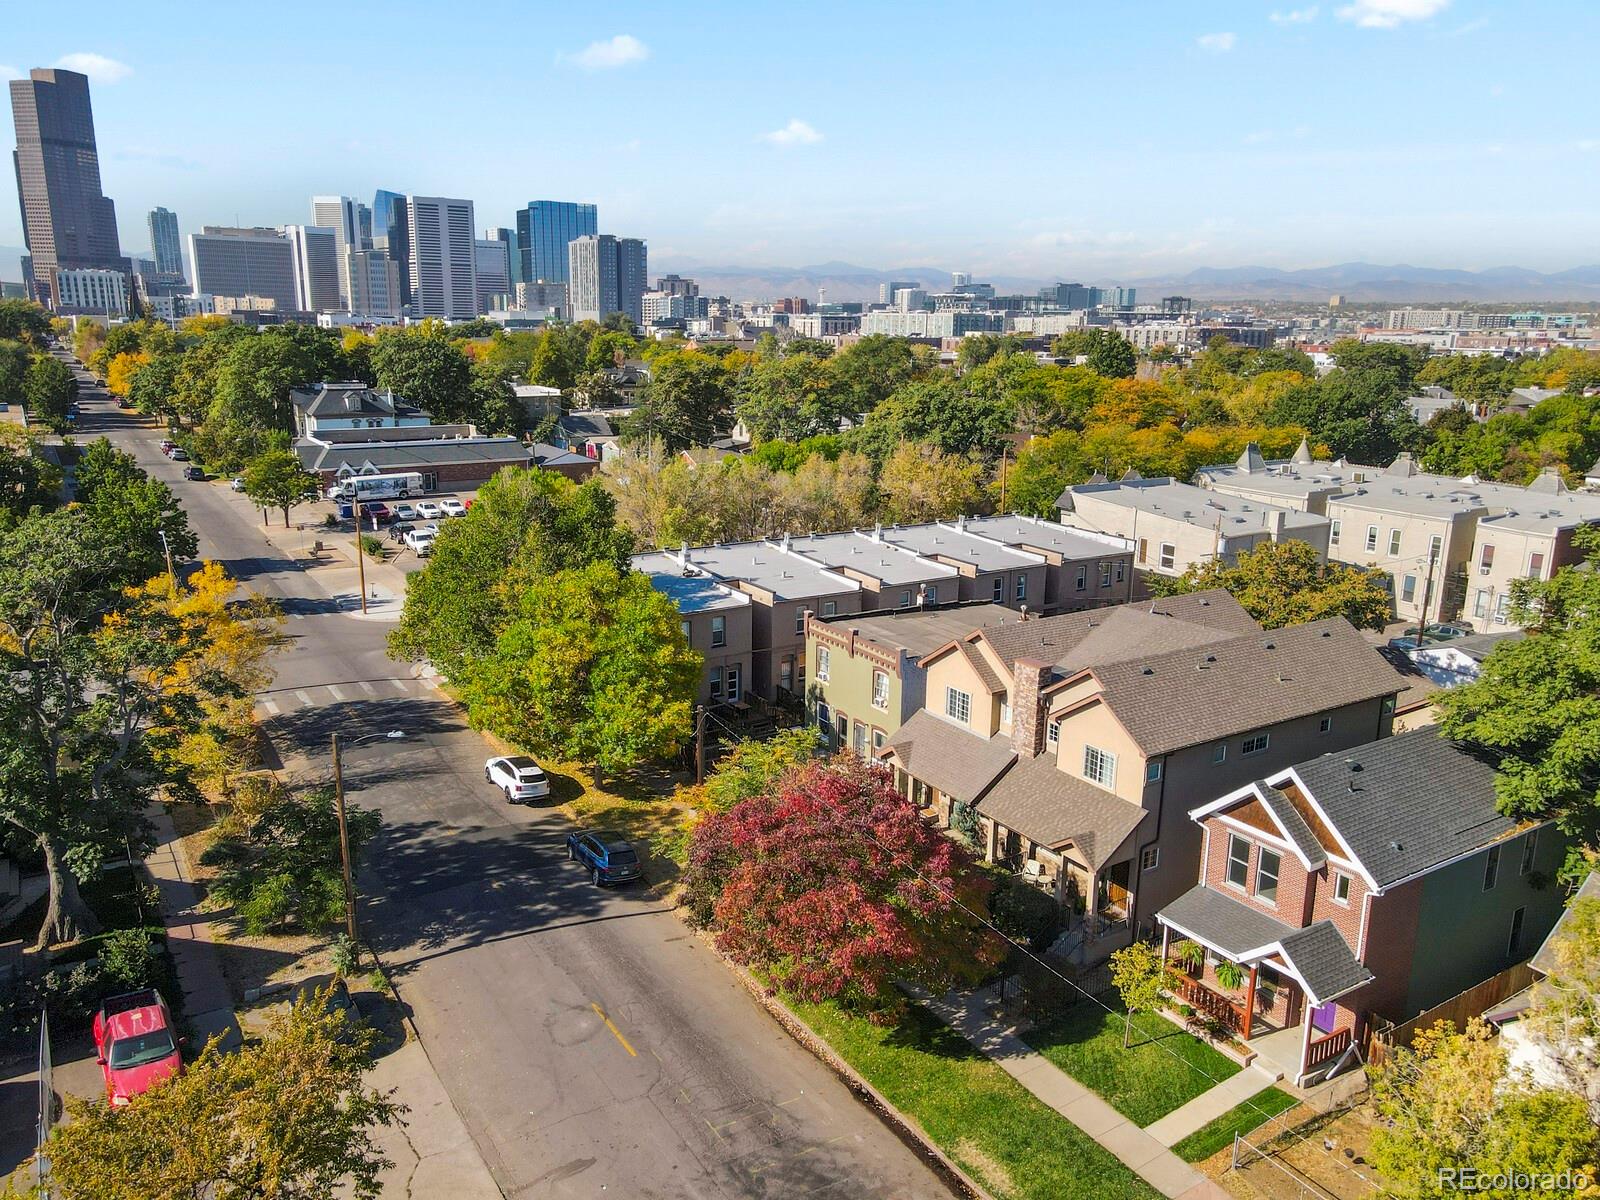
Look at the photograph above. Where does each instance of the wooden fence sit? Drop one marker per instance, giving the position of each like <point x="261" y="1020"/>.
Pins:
<point x="1458" y="1010"/>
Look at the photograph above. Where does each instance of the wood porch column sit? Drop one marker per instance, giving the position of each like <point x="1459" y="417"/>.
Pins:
<point x="1166" y="932"/>
<point x="1250" y="1000"/>
<point x="1307" y="1009"/>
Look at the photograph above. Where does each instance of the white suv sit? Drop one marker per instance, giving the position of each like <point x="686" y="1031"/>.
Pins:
<point x="421" y="541"/>
<point x="428" y="510"/>
<point x="519" y="777"/>
<point x="452" y="508"/>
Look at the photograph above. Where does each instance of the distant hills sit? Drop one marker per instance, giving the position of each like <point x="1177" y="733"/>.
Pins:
<point x="1358" y="281"/>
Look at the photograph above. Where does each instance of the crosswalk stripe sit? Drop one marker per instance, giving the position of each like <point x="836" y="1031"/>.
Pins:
<point x="271" y="706"/>
<point x="303" y="698"/>
<point x="368" y="688"/>
<point x="399" y="686"/>
<point x="337" y="694"/>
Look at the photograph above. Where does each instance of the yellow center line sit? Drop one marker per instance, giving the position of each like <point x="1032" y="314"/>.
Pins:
<point x="615" y="1032"/>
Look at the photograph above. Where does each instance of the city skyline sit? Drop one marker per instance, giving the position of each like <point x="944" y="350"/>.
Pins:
<point x="1291" y="136"/>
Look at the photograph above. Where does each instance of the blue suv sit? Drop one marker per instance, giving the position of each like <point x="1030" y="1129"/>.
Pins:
<point x="608" y="856"/>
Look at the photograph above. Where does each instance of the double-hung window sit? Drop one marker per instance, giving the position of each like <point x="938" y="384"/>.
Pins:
<point x="1394" y="542"/>
<point x="1169" y="555"/>
<point x="824" y="657"/>
<point x="1530" y="847"/>
<point x="880" y="689"/>
<point x="1535" y="565"/>
<point x="1238" y="861"/>
<point x="1341" y="888"/>
<point x="1486" y="559"/>
<point x="1022" y="588"/>
<point x="1491" y="868"/>
<point x="999" y="589"/>
<point x="1408" y="589"/>
<point x="799" y="621"/>
<point x="1105" y="574"/>
<point x="1268" y="863"/>
<point x="1372" y="539"/>
<point x="1100" y="766"/>
<point x="1082" y="584"/>
<point x="1333" y="533"/>
<point x="719" y="631"/>
<point x="957" y="705"/>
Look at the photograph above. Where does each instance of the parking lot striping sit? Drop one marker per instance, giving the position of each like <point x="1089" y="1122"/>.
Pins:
<point x="337" y="694"/>
<point x="615" y="1032"/>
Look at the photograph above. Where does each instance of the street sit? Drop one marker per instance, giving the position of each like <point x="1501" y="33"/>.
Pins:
<point x="590" y="1041"/>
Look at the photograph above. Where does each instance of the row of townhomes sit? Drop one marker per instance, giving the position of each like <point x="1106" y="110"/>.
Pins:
<point x="1451" y="546"/>
<point x="745" y="605"/>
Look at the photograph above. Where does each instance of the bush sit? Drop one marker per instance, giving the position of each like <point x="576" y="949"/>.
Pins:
<point x="1023" y="912"/>
<point x="372" y="546"/>
<point x="278" y="862"/>
<point x="345" y="956"/>
<point x="129" y="957"/>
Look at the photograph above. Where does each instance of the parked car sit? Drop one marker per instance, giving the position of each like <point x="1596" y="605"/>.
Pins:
<point x="420" y="541"/>
<point x="237" y="483"/>
<point x="518" y="776"/>
<point x="608" y="856"/>
<point x="398" y="531"/>
<point x="428" y="510"/>
<point x="194" y="472"/>
<point x="376" y="510"/>
<point x="405" y="512"/>
<point x="178" y="454"/>
<point x="136" y="1044"/>
<point x="1432" y="635"/>
<point x="452" y="508"/>
<point x="166" y="445"/>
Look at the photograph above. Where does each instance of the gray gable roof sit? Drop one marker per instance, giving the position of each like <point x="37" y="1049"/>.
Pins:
<point x="1544" y="959"/>
<point x="350" y="400"/>
<point x="944" y="755"/>
<point x="1323" y="960"/>
<point x="1408" y="803"/>
<point x="584" y="425"/>
<point x="1053" y="807"/>
<point x="1294" y="825"/>
<point x="413" y="456"/>
<point x="1187" y="697"/>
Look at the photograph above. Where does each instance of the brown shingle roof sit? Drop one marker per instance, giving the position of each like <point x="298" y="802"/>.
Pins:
<point x="944" y="755"/>
<point x="1185" y="697"/>
<point x="1051" y="807"/>
<point x="1072" y="641"/>
<point x="980" y="664"/>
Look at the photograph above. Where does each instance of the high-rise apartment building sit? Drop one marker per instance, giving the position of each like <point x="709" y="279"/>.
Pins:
<point x="887" y="290"/>
<point x="226" y="261"/>
<point x="165" y="244"/>
<point x="607" y="276"/>
<point x="374" y="283"/>
<point x="67" y="222"/>
<point x="677" y="285"/>
<point x="545" y="228"/>
<point x="494" y="272"/>
<point x="316" y="267"/>
<point x="442" y="257"/>
<point x="513" y="254"/>
<point x="351" y="222"/>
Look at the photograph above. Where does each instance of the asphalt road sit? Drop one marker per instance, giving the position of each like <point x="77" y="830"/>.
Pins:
<point x="592" y="1045"/>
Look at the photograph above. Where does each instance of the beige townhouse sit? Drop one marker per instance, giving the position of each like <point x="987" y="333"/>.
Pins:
<point x="1081" y="742"/>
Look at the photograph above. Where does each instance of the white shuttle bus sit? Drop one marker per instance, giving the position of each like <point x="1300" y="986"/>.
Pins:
<point x="380" y="487"/>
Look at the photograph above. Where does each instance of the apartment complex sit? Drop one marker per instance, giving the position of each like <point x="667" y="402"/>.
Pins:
<point x="1452" y="546"/>
<point x="545" y="228"/>
<point x="91" y="290"/>
<point x="1175" y="525"/>
<point x="1080" y="742"/>
<point x="606" y="275"/>
<point x="1016" y="562"/>
<point x="717" y="621"/>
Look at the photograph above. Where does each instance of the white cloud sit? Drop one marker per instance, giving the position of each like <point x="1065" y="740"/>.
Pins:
<point x="1390" y="14"/>
<point x="1294" y="16"/>
<point x="614" y="52"/>
<point x="1216" y="43"/>
<point x="795" y="133"/>
<point x="96" y="66"/>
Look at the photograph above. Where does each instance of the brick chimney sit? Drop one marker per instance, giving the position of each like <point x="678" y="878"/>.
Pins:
<point x="1027" y="709"/>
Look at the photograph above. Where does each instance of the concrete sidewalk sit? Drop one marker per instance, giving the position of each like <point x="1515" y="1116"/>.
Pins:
<point x="1147" y="1157"/>
<point x="433" y="1154"/>
<point x="1211" y="1104"/>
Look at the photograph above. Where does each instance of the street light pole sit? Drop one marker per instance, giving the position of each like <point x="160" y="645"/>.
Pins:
<point x="344" y="847"/>
<point x="361" y="562"/>
<point x="166" y="548"/>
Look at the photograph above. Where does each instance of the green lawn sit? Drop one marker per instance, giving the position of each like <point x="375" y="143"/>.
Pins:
<point x="1162" y="1070"/>
<point x="1208" y="1139"/>
<point x="998" y="1131"/>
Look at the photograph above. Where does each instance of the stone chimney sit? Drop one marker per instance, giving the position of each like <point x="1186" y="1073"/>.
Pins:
<point x="1027" y="708"/>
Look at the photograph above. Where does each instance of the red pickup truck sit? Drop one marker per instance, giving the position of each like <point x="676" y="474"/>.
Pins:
<point x="136" y="1044"/>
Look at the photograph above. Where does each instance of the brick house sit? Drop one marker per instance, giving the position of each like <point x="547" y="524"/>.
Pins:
<point x="1365" y="885"/>
<point x="1081" y="742"/>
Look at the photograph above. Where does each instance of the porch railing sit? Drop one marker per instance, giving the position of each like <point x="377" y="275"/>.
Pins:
<point x="1325" y="1049"/>
<point x="1203" y="1000"/>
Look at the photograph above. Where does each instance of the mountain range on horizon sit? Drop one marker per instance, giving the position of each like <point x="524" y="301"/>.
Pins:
<point x="1358" y="282"/>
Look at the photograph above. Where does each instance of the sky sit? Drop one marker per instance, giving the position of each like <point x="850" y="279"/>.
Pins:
<point x="1108" y="141"/>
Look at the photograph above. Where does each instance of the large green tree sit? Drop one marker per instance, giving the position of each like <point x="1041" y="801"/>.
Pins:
<point x="426" y="368"/>
<point x="276" y="479"/>
<point x="792" y="397"/>
<point x="129" y="509"/>
<point x="1359" y="413"/>
<point x="592" y="668"/>
<point x="524" y="525"/>
<point x="28" y="479"/>
<point x="48" y="389"/>
<point x="1534" y="709"/>
<point x="14" y="360"/>
<point x="24" y="320"/>
<point x="686" y="403"/>
<point x="1103" y="351"/>
<point x="1288" y="583"/>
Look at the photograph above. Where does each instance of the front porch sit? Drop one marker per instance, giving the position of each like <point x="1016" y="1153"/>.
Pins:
<point x="1296" y="1049"/>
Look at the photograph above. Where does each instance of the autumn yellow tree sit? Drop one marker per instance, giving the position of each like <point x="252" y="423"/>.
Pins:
<point x="121" y="370"/>
<point x="920" y="483"/>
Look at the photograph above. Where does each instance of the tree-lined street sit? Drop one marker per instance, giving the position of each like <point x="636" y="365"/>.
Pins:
<point x="589" y="1040"/>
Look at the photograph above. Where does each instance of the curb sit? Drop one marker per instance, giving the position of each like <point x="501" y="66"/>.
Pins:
<point x="903" y="1126"/>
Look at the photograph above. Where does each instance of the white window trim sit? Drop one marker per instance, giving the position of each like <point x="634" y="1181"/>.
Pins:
<point x="1152" y="771"/>
<point x="1325" y="725"/>
<point x="1244" y="745"/>
<point x="1277" y="878"/>
<point x="1229" y="860"/>
<point x="1372" y="539"/>
<point x="823" y="663"/>
<point x="880" y="699"/>
<point x="1333" y="894"/>
<point x="950" y="694"/>
<point x="1149" y="858"/>
<point x="1109" y="762"/>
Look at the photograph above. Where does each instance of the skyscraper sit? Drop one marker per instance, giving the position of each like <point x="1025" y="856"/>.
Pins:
<point x="513" y="254"/>
<point x="165" y="243"/>
<point x="231" y="262"/>
<point x="607" y="275"/>
<point x="67" y="222"/>
<point x="443" y="257"/>
<point x="316" y="267"/>
<point x="544" y="230"/>
<point x="389" y="230"/>
<point x="343" y="215"/>
<point x="493" y="263"/>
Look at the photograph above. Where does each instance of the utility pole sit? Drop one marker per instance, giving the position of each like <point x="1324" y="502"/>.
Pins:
<point x="344" y="846"/>
<point x="166" y="548"/>
<point x="1427" y="596"/>
<point x="1005" y="453"/>
<point x="361" y="569"/>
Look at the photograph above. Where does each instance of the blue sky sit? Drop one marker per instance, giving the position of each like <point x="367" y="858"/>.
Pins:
<point x="1104" y="140"/>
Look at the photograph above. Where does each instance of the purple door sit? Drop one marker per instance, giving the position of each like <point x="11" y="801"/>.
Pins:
<point x="1322" y="1017"/>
